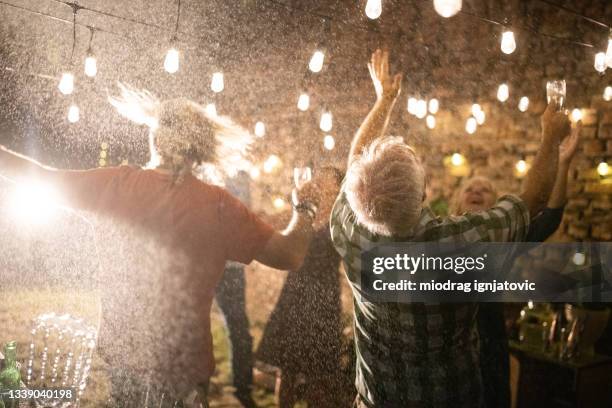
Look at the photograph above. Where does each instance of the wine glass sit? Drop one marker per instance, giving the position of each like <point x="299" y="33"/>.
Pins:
<point x="555" y="92"/>
<point x="301" y="176"/>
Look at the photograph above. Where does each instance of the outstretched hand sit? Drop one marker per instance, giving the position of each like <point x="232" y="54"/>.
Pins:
<point x="567" y="148"/>
<point x="555" y="125"/>
<point x="385" y="85"/>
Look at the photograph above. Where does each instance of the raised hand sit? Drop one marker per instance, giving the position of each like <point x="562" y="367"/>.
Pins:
<point x="385" y="85"/>
<point x="567" y="148"/>
<point x="555" y="125"/>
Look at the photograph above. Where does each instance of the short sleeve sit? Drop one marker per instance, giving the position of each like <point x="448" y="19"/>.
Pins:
<point x="244" y="233"/>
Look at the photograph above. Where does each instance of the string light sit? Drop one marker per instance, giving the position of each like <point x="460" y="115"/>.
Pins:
<point x="216" y="84"/>
<point x="328" y="142"/>
<point x="480" y="117"/>
<point x="508" y="43"/>
<point x="260" y="129"/>
<point x="600" y="62"/>
<point x="326" y="122"/>
<point x="255" y="173"/>
<point x="609" y="51"/>
<point x="66" y="84"/>
<point x="576" y="115"/>
<point x="523" y="104"/>
<point x="91" y="68"/>
<point x="521" y="167"/>
<point x="475" y="109"/>
<point x="171" y="63"/>
<point x="272" y="163"/>
<point x="607" y="95"/>
<point x="412" y="105"/>
<point x="603" y="169"/>
<point x="579" y="258"/>
<point x="503" y="92"/>
<point x="457" y="159"/>
<point x="373" y="9"/>
<point x="430" y="120"/>
<point x="211" y="109"/>
<point x="73" y="114"/>
<point x="433" y="105"/>
<point x="279" y="203"/>
<point x="447" y="8"/>
<point x="316" y="61"/>
<point x="471" y="125"/>
<point x="421" y="109"/>
<point x="303" y="102"/>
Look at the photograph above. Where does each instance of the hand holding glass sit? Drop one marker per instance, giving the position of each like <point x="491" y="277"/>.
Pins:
<point x="301" y="176"/>
<point x="555" y="92"/>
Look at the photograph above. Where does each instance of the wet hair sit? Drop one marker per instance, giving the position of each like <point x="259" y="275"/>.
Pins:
<point x="456" y="206"/>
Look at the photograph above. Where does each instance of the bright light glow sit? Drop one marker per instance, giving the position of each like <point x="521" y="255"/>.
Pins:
<point x="326" y="122"/>
<point x="430" y="120"/>
<point x="480" y="117"/>
<point x="521" y="167"/>
<point x="279" y="203"/>
<point x="303" y="102"/>
<point x="66" y="84"/>
<point x="523" y="104"/>
<point x="609" y="53"/>
<point x="73" y="114"/>
<point x="171" y="63"/>
<point x="508" y="43"/>
<point x="412" y="105"/>
<point x="91" y="66"/>
<point x="433" y="105"/>
<point x="600" y="62"/>
<point x="33" y="203"/>
<point x="421" y="109"/>
<point x="216" y="84"/>
<point x="503" y="92"/>
<point x="328" y="142"/>
<point x="576" y="115"/>
<point x="272" y="163"/>
<point x="316" y="62"/>
<point x="447" y="8"/>
<point x="373" y="9"/>
<point x="211" y="109"/>
<point x="579" y="258"/>
<point x="260" y="129"/>
<point x="603" y="169"/>
<point x="475" y="109"/>
<point x="457" y="159"/>
<point x="255" y="173"/>
<point x="607" y="95"/>
<point x="471" y="125"/>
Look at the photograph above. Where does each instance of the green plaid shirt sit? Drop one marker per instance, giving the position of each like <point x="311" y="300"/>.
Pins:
<point x="412" y="354"/>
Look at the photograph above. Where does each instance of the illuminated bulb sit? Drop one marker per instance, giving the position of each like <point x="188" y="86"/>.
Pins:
<point x="457" y="159"/>
<point x="607" y="95"/>
<point x="508" y="43"/>
<point x="475" y="109"/>
<point x="421" y="109"/>
<point x="326" y="122"/>
<point x="503" y="92"/>
<point x="609" y="53"/>
<point x="373" y="9"/>
<point x="255" y="173"/>
<point x="576" y="115"/>
<point x="171" y="63"/>
<point x="66" y="85"/>
<point x="271" y="163"/>
<point x="260" y="129"/>
<point x="447" y="8"/>
<point x="33" y="202"/>
<point x="278" y="203"/>
<point x="600" y="62"/>
<point x="303" y="102"/>
<point x="579" y="258"/>
<point x="431" y="121"/>
<point x="216" y="84"/>
<point x="480" y="117"/>
<point x="412" y="105"/>
<point x="523" y="104"/>
<point x="328" y="142"/>
<point x="521" y="167"/>
<point x="603" y="169"/>
<point x="471" y="125"/>
<point x="211" y="109"/>
<point x="91" y="66"/>
<point x="434" y="105"/>
<point x="316" y="62"/>
<point x="73" y="114"/>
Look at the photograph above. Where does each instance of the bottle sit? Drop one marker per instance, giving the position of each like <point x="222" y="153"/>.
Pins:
<point x="10" y="378"/>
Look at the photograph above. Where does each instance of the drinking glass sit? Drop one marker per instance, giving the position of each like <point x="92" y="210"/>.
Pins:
<point x="301" y="176"/>
<point x="555" y="92"/>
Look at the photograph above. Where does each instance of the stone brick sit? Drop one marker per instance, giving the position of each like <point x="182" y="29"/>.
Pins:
<point x="605" y="132"/>
<point x="606" y="117"/>
<point x="589" y="117"/>
<point x="602" y="188"/>
<point x="589" y="132"/>
<point x="592" y="147"/>
<point x="577" y="203"/>
<point x="580" y="231"/>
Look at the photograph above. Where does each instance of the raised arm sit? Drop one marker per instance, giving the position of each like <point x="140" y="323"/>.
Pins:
<point x="16" y="167"/>
<point x="567" y="150"/>
<point x="387" y="89"/>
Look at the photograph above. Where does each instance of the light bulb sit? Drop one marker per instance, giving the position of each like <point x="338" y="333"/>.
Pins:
<point x="430" y="120"/>
<point x="91" y="67"/>
<point x="373" y="9"/>
<point x="508" y="43"/>
<point x="521" y="167"/>
<point x="447" y="8"/>
<point x="457" y="159"/>
<point x="503" y="92"/>
<point x="475" y="109"/>
<point x="211" y="109"/>
<point x="278" y="203"/>
<point x="603" y="169"/>
<point x="579" y="258"/>
<point x="434" y="105"/>
<point x="412" y="105"/>
<point x="216" y="84"/>
<point x="66" y="84"/>
<point x="73" y="114"/>
<point x="255" y="173"/>
<point x="326" y="122"/>
<point x="600" y="62"/>
<point x="480" y="117"/>
<point x="609" y="53"/>
<point x="271" y="163"/>
<point x="471" y="125"/>
<point x="421" y="109"/>
<point x="303" y="102"/>
<point x="260" y="129"/>
<point x="523" y="104"/>
<point x="171" y="63"/>
<point x="607" y="95"/>
<point x="576" y="115"/>
<point x="328" y="142"/>
<point x="316" y="62"/>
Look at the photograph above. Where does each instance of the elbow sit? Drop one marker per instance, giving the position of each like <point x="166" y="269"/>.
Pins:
<point x="294" y="262"/>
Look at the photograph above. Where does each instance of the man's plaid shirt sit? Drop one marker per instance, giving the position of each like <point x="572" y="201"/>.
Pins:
<point x="417" y="355"/>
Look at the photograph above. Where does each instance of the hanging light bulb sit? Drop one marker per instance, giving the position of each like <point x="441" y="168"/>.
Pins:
<point x="433" y="105"/>
<point x="603" y="169"/>
<point x="66" y="84"/>
<point x="579" y="258"/>
<point x="326" y="122"/>
<point x="480" y="117"/>
<point x="316" y="61"/>
<point x="91" y="67"/>
<point x="508" y="43"/>
<point x="475" y="109"/>
<point x="421" y="109"/>
<point x="447" y="8"/>
<point x="523" y="104"/>
<point x="73" y="114"/>
<point x="503" y="92"/>
<point x="255" y="173"/>
<point x="600" y="62"/>
<point x="609" y="52"/>
<point x="171" y="63"/>
<point x="303" y="102"/>
<point x="373" y="9"/>
<point x="211" y="109"/>
<point x="471" y="125"/>
<point x="457" y="159"/>
<point x="279" y="203"/>
<point x="521" y="167"/>
<point x="412" y="105"/>
<point x="430" y="120"/>
<point x="328" y="142"/>
<point x="272" y="163"/>
<point x="260" y="129"/>
<point x="607" y="95"/>
<point x="576" y="115"/>
<point x="216" y="84"/>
